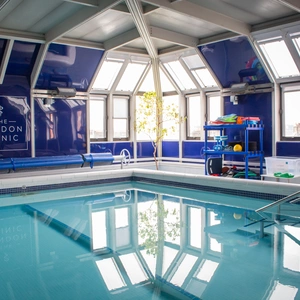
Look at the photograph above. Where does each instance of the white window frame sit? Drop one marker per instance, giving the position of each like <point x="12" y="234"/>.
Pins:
<point x="287" y="88"/>
<point x="126" y="118"/>
<point x="104" y="119"/>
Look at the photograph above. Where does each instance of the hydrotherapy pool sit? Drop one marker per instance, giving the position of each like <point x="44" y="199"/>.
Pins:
<point x="133" y="240"/>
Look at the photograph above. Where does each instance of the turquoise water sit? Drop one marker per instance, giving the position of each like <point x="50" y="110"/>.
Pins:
<point x="140" y="244"/>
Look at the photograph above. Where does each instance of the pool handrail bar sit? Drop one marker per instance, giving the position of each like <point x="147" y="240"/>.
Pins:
<point x="278" y="202"/>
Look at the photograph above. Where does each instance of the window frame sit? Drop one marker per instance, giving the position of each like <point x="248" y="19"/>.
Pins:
<point x="104" y="99"/>
<point x="127" y="138"/>
<point x="286" y="88"/>
<point x="188" y="136"/>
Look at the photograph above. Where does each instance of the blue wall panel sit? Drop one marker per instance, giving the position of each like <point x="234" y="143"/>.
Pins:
<point x="144" y="149"/>
<point x="60" y="129"/>
<point x="69" y="66"/>
<point x="234" y="61"/>
<point x="22" y="59"/>
<point x="114" y="148"/>
<point x="170" y="149"/>
<point x="288" y="149"/>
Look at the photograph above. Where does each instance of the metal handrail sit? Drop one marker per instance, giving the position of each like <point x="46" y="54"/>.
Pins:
<point x="278" y="202"/>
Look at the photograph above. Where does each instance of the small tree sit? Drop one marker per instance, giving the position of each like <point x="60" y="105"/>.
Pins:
<point x="153" y="118"/>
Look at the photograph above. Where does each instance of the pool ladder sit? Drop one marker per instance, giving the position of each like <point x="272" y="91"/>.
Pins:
<point x="292" y="198"/>
<point x="281" y="201"/>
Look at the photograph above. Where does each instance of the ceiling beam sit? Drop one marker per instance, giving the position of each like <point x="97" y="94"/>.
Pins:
<point x="137" y="14"/>
<point x="199" y="12"/>
<point x="80" y="43"/>
<point x="22" y="36"/>
<point x="38" y="64"/>
<point x="5" y="59"/>
<point x="122" y="39"/>
<point x="93" y="3"/>
<point x="173" y="37"/>
<point x="293" y="4"/>
<point x="82" y="16"/>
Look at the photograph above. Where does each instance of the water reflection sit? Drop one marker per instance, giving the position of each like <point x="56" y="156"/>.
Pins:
<point x="152" y="246"/>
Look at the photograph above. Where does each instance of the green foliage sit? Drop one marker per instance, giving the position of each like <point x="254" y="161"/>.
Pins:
<point x="149" y="226"/>
<point x="152" y="117"/>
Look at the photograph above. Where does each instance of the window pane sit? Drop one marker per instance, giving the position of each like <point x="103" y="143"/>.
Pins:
<point x="179" y="75"/>
<point x="120" y="128"/>
<point x="296" y="42"/>
<point x="204" y="78"/>
<point x="148" y="83"/>
<point x="107" y="75"/>
<point x="193" y="61"/>
<point x="194" y="122"/>
<point x="213" y="112"/>
<point x="120" y="107"/>
<point x="131" y="77"/>
<point x="171" y="125"/>
<point x="280" y="59"/>
<point x="166" y="85"/>
<point x="291" y="118"/>
<point x="97" y="119"/>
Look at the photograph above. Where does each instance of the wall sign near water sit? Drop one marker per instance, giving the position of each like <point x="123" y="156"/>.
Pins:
<point x="14" y="124"/>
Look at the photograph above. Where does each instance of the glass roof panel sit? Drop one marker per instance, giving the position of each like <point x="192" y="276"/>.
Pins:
<point x="297" y="44"/>
<point x="131" y="77"/>
<point x="179" y="75"/>
<point x="280" y="59"/>
<point x="204" y="78"/>
<point x="193" y="61"/>
<point x="148" y="82"/>
<point x="107" y="74"/>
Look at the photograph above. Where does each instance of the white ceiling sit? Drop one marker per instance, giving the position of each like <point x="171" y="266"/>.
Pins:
<point x="150" y="27"/>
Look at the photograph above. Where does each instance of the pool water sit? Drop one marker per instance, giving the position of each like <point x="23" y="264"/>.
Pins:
<point x="141" y="244"/>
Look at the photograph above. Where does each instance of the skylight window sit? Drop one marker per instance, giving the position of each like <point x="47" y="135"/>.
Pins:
<point x="131" y="77"/>
<point x="179" y="75"/>
<point x="107" y="75"/>
<point x="200" y="72"/>
<point x="279" y="58"/>
<point x="204" y="78"/>
<point x="296" y="42"/>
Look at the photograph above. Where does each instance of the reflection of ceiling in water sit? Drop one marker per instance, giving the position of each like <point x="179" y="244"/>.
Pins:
<point x="134" y="244"/>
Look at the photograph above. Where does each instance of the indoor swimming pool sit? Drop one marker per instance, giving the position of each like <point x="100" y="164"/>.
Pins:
<point x="146" y="241"/>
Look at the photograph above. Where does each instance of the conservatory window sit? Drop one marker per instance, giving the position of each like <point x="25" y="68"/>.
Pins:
<point x="131" y="77"/>
<point x="290" y="119"/>
<point x="97" y="118"/>
<point x="179" y="75"/>
<point x="194" y="119"/>
<point x="214" y="111"/>
<point x="200" y="72"/>
<point x="107" y="74"/>
<point x="120" y="117"/>
<point x="279" y="58"/>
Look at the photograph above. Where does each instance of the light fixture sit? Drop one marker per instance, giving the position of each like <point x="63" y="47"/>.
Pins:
<point x="239" y="87"/>
<point x="65" y="92"/>
<point x="48" y="102"/>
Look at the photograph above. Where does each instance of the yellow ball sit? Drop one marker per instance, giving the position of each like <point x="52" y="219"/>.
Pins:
<point x="237" y="147"/>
